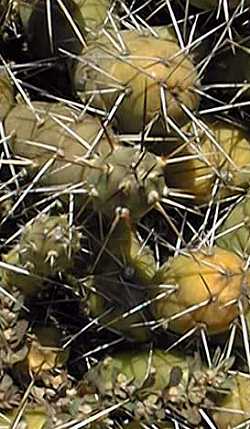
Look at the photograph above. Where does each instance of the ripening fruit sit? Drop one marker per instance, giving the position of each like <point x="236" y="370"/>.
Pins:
<point x="6" y="96"/>
<point x="222" y="152"/>
<point x="236" y="402"/>
<point x="152" y="74"/>
<point x="207" y="286"/>
<point x="237" y="239"/>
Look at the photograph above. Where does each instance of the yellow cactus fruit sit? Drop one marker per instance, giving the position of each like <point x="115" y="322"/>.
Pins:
<point x="235" y="407"/>
<point x="152" y="74"/>
<point x="207" y="286"/>
<point x="221" y="152"/>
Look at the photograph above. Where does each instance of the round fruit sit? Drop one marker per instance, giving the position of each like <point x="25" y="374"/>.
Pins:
<point x="152" y="74"/>
<point x="207" y="286"/>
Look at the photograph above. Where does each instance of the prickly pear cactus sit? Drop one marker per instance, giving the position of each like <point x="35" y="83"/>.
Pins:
<point x="202" y="289"/>
<point x="143" y="87"/>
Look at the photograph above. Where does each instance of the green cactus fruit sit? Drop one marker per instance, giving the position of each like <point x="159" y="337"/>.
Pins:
<point x="235" y="407"/>
<point x="152" y="74"/>
<point x="6" y="96"/>
<point x="46" y="247"/>
<point x="59" y="133"/>
<point x="223" y="154"/>
<point x="237" y="239"/>
<point x="94" y="12"/>
<point x="67" y="28"/>
<point x="127" y="177"/>
<point x="207" y="286"/>
<point x="123" y="272"/>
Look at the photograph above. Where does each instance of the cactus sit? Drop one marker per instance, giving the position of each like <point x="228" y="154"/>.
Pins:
<point x="160" y="79"/>
<point x="235" y="409"/>
<point x="94" y="12"/>
<point x="234" y="234"/>
<point x="56" y="132"/>
<point x="6" y="96"/>
<point x="152" y="381"/>
<point x="220" y="152"/>
<point x="122" y="275"/>
<point x="120" y="176"/>
<point x="46" y="247"/>
<point x="206" y="287"/>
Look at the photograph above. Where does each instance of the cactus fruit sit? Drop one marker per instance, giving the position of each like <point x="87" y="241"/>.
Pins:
<point x="221" y="152"/>
<point x="46" y="247"/>
<point x="40" y="140"/>
<point x="234" y="234"/>
<point x="120" y="176"/>
<point x="152" y="74"/>
<point x="207" y="286"/>
<point x="128" y="177"/>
